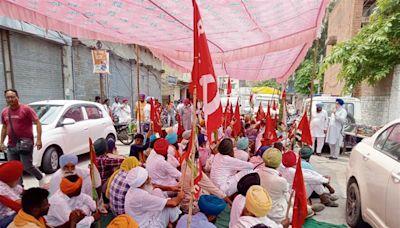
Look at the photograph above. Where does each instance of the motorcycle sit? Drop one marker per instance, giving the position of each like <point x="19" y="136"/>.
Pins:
<point x="124" y="133"/>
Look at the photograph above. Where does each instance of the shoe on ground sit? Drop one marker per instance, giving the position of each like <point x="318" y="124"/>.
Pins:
<point x="333" y="158"/>
<point x="325" y="200"/>
<point x="333" y="198"/>
<point x="317" y="207"/>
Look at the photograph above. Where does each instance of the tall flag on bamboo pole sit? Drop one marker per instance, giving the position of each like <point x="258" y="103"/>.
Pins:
<point x="300" y="197"/>
<point x="203" y="76"/>
<point x="155" y="117"/>
<point x="269" y="136"/>
<point x="229" y="89"/>
<point x="260" y="113"/>
<point x="283" y="108"/>
<point x="227" y="114"/>
<point x="93" y="167"/>
<point x="304" y="130"/>
<point x="237" y="126"/>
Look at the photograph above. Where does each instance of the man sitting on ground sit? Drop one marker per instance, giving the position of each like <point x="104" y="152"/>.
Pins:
<point x="117" y="186"/>
<point x="147" y="205"/>
<point x="258" y="205"/>
<point x="226" y="170"/>
<point x="107" y="162"/>
<point x="68" y="167"/>
<point x="34" y="206"/>
<point x="138" y="148"/>
<point x="210" y="207"/>
<point x="69" y="198"/>
<point x="10" y="191"/>
<point x="314" y="181"/>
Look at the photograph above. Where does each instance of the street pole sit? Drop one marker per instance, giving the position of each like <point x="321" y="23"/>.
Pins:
<point x="313" y="75"/>
<point x="102" y="83"/>
<point x="138" y="87"/>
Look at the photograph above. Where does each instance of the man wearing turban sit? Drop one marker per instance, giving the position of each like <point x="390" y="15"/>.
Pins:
<point x="258" y="205"/>
<point x="68" y="166"/>
<point x="118" y="186"/>
<point x="319" y="127"/>
<point x="210" y="207"/>
<point x="10" y="191"/>
<point x="241" y="149"/>
<point x="160" y="170"/>
<point x="68" y="199"/>
<point x="226" y="170"/>
<point x="274" y="184"/>
<point x="314" y="182"/>
<point x="335" y="130"/>
<point x="148" y="206"/>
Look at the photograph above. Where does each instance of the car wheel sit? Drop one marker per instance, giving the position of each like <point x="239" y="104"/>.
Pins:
<point x="353" y="206"/>
<point x="50" y="160"/>
<point x="125" y="137"/>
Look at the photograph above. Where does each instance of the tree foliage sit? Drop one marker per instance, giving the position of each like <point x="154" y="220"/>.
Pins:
<point x="303" y="77"/>
<point x="270" y="83"/>
<point x="372" y="54"/>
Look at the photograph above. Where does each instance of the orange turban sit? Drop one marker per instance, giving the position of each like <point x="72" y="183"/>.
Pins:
<point x="68" y="187"/>
<point x="123" y="221"/>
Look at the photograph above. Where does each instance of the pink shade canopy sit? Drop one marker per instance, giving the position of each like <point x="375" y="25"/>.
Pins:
<point x="248" y="39"/>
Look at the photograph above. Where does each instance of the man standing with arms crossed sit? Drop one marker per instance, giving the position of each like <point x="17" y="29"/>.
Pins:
<point x="17" y="122"/>
<point x="319" y="126"/>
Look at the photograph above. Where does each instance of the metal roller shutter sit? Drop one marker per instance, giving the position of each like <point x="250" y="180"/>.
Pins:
<point x="37" y="68"/>
<point x="2" y="80"/>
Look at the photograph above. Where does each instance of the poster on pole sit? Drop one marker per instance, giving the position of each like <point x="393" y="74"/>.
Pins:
<point x="101" y="62"/>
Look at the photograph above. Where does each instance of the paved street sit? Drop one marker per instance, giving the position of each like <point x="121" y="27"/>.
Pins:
<point x="335" y="169"/>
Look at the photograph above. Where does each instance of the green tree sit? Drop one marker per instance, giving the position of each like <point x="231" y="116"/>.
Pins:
<point x="303" y="76"/>
<point x="372" y="54"/>
<point x="270" y="83"/>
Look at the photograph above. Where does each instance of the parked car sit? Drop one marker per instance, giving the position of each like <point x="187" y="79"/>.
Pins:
<point x="66" y="128"/>
<point x="373" y="180"/>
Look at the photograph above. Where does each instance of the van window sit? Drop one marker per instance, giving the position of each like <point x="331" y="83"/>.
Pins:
<point x="329" y="107"/>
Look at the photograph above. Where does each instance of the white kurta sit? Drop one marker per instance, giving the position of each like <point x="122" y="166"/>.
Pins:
<point x="160" y="171"/>
<point x="336" y="124"/>
<point x="241" y="154"/>
<point x="278" y="189"/>
<point x="11" y="193"/>
<point x="86" y="184"/>
<point x="312" y="179"/>
<point x="146" y="112"/>
<point x="126" y="115"/>
<point x="226" y="172"/>
<point x="249" y="221"/>
<point x="149" y="210"/>
<point x="115" y="108"/>
<point x="61" y="206"/>
<point x="238" y="205"/>
<point x="319" y="124"/>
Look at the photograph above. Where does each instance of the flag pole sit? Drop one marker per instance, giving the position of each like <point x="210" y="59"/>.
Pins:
<point x="313" y="75"/>
<point x="138" y="86"/>
<point x="193" y="151"/>
<point x="289" y="204"/>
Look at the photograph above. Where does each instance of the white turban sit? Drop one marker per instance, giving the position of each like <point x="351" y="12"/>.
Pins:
<point x="137" y="177"/>
<point x="68" y="158"/>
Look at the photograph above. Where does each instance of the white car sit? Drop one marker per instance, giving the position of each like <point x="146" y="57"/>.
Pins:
<point x="373" y="180"/>
<point x="66" y="128"/>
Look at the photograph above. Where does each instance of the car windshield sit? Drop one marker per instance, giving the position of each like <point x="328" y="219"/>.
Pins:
<point x="46" y="113"/>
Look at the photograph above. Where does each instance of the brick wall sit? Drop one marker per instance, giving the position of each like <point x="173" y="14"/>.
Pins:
<point x="394" y="105"/>
<point x="344" y="22"/>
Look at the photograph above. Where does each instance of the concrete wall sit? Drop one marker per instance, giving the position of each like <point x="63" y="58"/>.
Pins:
<point x="394" y="104"/>
<point x="344" y="22"/>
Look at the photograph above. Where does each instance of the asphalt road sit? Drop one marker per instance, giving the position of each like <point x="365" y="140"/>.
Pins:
<point x="334" y="168"/>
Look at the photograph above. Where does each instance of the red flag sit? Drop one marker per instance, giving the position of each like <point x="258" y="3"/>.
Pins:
<point x="180" y="126"/>
<point x="237" y="127"/>
<point x="251" y="102"/>
<point x="268" y="109"/>
<point x="260" y="113"/>
<point x="92" y="153"/>
<point x="300" y="198"/>
<point x="274" y="105"/>
<point x="304" y="127"/>
<point x="93" y="166"/>
<point x="185" y="156"/>
<point x="197" y="178"/>
<point x="8" y="202"/>
<point x="229" y="89"/>
<point x="203" y="76"/>
<point x="155" y="117"/>
<point x="269" y="134"/>
<point x="227" y="115"/>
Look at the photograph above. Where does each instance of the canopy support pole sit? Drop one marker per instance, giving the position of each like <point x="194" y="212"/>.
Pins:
<point x="138" y="88"/>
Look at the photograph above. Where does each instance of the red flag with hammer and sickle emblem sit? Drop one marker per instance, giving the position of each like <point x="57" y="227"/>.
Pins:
<point x="203" y="76"/>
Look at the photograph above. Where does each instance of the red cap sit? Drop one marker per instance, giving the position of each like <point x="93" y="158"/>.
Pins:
<point x="289" y="159"/>
<point x="11" y="171"/>
<point x="161" y="147"/>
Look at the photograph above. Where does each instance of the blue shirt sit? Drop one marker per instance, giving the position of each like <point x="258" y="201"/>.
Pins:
<point x="199" y="220"/>
<point x="306" y="165"/>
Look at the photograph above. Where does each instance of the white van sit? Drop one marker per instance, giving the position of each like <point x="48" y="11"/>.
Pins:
<point x="351" y="104"/>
